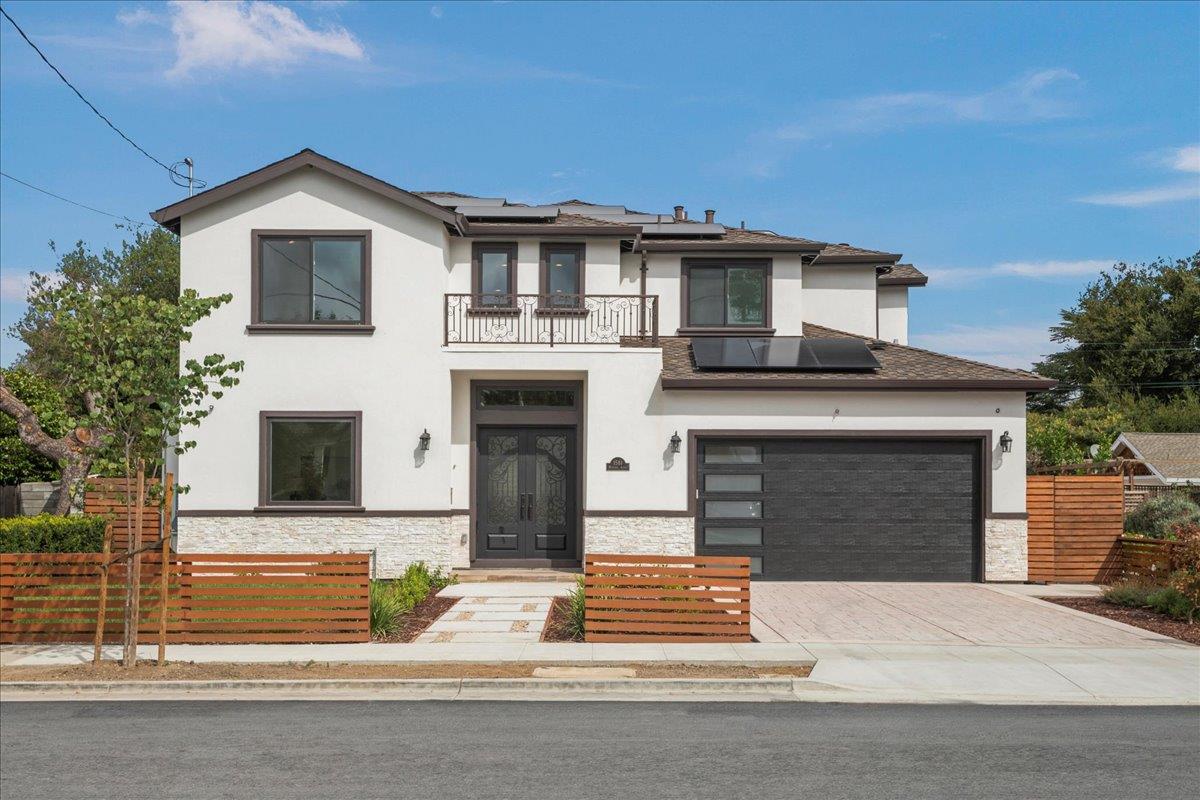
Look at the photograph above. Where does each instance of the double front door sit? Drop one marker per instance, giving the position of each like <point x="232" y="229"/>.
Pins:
<point x="525" y="491"/>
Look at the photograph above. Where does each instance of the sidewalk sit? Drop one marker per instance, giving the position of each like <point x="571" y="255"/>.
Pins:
<point x="853" y="673"/>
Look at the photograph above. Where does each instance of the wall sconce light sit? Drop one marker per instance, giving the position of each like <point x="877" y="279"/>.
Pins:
<point x="1005" y="443"/>
<point x="675" y="442"/>
<point x="424" y="440"/>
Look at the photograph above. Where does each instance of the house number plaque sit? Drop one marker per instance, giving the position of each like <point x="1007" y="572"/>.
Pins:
<point x="618" y="464"/>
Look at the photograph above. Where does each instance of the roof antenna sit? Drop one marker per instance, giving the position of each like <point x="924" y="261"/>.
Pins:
<point x="190" y="180"/>
<point x="743" y="224"/>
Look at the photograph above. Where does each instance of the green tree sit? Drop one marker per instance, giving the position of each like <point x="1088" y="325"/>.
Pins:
<point x="147" y="266"/>
<point x="1134" y="332"/>
<point x="118" y="354"/>
<point x="19" y="463"/>
<point x="1068" y="436"/>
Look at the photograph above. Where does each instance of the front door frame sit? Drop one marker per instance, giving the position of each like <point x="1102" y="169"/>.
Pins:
<point x="551" y="417"/>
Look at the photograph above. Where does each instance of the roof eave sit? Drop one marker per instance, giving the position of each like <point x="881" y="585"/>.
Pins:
<point x="769" y="384"/>
<point x="921" y="281"/>
<point x="865" y="259"/>
<point x="169" y="216"/>
<point x="649" y="245"/>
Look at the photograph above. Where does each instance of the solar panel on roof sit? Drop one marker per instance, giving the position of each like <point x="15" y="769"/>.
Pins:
<point x="781" y="353"/>
<point x="723" y="353"/>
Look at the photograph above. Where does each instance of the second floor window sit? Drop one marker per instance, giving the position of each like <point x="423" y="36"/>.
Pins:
<point x="727" y="294"/>
<point x="562" y="275"/>
<point x="312" y="279"/>
<point x="494" y="274"/>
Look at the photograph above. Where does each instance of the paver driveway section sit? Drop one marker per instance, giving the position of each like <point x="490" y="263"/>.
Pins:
<point x="931" y="613"/>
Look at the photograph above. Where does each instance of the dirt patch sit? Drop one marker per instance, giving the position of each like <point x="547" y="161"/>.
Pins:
<point x="1138" y="617"/>
<point x="414" y="623"/>
<point x="557" y="629"/>
<point x="187" y="671"/>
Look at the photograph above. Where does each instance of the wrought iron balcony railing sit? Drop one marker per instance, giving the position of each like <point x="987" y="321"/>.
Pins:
<point x="550" y="319"/>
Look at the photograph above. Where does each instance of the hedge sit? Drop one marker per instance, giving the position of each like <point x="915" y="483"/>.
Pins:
<point x="47" y="533"/>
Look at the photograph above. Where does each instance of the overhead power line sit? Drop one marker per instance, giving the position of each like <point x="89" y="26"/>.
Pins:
<point x="73" y="202"/>
<point x="197" y="183"/>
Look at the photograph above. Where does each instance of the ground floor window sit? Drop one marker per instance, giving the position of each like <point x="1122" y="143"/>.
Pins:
<point x="311" y="458"/>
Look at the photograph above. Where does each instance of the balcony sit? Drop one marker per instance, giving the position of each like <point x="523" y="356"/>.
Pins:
<point x="552" y="320"/>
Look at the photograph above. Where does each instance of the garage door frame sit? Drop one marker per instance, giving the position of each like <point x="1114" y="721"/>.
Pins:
<point x="983" y="437"/>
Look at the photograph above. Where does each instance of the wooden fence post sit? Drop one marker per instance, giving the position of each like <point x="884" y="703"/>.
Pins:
<point x="102" y="601"/>
<point x="133" y="572"/>
<point x="165" y="534"/>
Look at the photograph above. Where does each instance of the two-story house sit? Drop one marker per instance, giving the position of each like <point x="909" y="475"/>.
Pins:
<point x="474" y="382"/>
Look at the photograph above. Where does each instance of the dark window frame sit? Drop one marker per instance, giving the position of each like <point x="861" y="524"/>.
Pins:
<point x="545" y="301"/>
<point x="265" y="503"/>
<point x="685" y="310"/>
<point x="477" y="251"/>
<point x="258" y="325"/>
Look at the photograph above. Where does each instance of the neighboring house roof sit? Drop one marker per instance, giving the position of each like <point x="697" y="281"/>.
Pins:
<point x="903" y="275"/>
<point x="901" y="367"/>
<point x="1172" y="457"/>
<point x="168" y="216"/>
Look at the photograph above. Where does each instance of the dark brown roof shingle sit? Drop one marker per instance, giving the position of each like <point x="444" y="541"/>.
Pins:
<point x="901" y="367"/>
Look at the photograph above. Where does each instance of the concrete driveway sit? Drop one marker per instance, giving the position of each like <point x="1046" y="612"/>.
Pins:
<point x="930" y="613"/>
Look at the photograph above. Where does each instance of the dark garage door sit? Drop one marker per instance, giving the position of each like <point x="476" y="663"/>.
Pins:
<point x="842" y="509"/>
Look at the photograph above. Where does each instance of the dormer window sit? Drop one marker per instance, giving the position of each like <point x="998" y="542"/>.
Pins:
<point x="310" y="280"/>
<point x="727" y="294"/>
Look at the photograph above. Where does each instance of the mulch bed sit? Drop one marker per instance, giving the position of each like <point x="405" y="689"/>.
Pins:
<point x="1138" y="617"/>
<point x="556" y="622"/>
<point x="414" y="623"/>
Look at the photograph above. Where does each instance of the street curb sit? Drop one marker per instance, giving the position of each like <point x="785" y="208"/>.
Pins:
<point x="407" y="688"/>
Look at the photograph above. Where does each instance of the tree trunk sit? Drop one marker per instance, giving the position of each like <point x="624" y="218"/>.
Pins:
<point x="133" y="569"/>
<point x="73" y="451"/>
<point x="74" y="473"/>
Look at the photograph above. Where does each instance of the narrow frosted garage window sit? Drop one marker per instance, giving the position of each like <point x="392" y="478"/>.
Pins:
<point x="722" y="453"/>
<point x="742" y="536"/>
<point x="733" y="509"/>
<point x="756" y="565"/>
<point x="733" y="483"/>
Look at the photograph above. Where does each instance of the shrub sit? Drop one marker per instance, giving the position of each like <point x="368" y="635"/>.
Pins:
<point x="47" y="533"/>
<point x="392" y="599"/>
<point x="575" y="623"/>
<point x="1185" y="568"/>
<point x="1159" y="516"/>
<point x="1131" y="593"/>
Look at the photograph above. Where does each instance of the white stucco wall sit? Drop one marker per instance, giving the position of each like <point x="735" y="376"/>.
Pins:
<point x="404" y="381"/>
<point x="841" y="296"/>
<point x="893" y="314"/>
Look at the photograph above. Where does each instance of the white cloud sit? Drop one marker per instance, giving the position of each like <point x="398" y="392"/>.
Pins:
<point x="1177" y="159"/>
<point x="14" y="286"/>
<point x="133" y="17"/>
<point x="1186" y="159"/>
<point x="1137" y="198"/>
<point x="226" y="35"/>
<point x="1040" y="270"/>
<point x="435" y="12"/>
<point x="1018" y="346"/>
<point x="1031" y="98"/>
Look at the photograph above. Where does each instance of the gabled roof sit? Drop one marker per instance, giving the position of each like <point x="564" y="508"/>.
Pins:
<point x="1173" y="457"/>
<point x="903" y="275"/>
<point x="736" y="239"/>
<point x="901" y="367"/>
<point x="843" y="253"/>
<point x="168" y="216"/>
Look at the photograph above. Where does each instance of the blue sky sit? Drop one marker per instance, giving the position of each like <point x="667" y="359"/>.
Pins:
<point x="1010" y="151"/>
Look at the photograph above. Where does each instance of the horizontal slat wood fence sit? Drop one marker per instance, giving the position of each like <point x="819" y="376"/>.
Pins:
<point x="211" y="598"/>
<point x="1074" y="524"/>
<point x="652" y="598"/>
<point x="1146" y="558"/>
<point x="106" y="497"/>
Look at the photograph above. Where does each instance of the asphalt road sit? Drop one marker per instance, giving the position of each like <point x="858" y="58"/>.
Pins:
<point x="570" y="751"/>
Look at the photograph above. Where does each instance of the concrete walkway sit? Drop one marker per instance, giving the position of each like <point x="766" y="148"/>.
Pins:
<point x="494" y="613"/>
